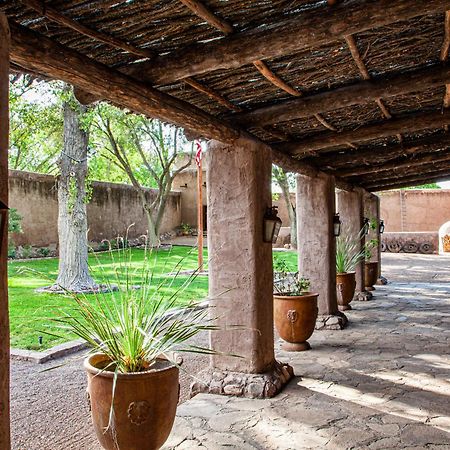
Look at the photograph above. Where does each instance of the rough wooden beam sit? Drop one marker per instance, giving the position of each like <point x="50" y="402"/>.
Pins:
<point x="354" y="94"/>
<point x="382" y="154"/>
<point x="275" y="79"/>
<point x="212" y="94"/>
<point x="43" y="55"/>
<point x="416" y="160"/>
<point x="308" y="29"/>
<point x="52" y="14"/>
<point x="199" y="9"/>
<point x="5" y="441"/>
<point x="446" y="44"/>
<point x="411" y="182"/>
<point x="405" y="124"/>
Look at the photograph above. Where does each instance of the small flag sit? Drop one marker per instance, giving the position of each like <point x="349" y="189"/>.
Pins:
<point x="198" y="155"/>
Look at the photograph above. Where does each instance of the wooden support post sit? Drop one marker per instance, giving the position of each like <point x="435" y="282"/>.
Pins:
<point x="200" y="212"/>
<point x="5" y="442"/>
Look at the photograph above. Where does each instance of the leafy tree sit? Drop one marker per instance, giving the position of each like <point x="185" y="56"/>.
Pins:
<point x="146" y="151"/>
<point x="286" y="181"/>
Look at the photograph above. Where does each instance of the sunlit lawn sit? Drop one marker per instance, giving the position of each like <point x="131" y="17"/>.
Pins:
<point x="30" y="312"/>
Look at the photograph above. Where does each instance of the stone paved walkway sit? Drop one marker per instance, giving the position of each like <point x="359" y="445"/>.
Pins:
<point x="383" y="383"/>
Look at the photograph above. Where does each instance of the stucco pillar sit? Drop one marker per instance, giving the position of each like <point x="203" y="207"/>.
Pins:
<point x="372" y="211"/>
<point x="240" y="273"/>
<point x="317" y="245"/>
<point x="5" y="442"/>
<point x="350" y="205"/>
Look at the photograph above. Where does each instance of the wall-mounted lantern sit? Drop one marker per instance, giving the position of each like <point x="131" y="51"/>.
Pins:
<point x="272" y="224"/>
<point x="366" y="225"/>
<point x="381" y="227"/>
<point x="3" y="222"/>
<point x="336" y="225"/>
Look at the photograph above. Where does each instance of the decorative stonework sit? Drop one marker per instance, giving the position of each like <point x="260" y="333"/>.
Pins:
<point x="239" y="384"/>
<point x="139" y="412"/>
<point x="363" y="296"/>
<point x="337" y="321"/>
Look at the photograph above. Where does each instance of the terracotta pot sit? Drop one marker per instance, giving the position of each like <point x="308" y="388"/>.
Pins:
<point x="145" y="404"/>
<point x="370" y="274"/>
<point x="295" y="319"/>
<point x="345" y="289"/>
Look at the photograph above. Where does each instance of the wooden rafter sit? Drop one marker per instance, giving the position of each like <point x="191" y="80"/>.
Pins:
<point x="405" y="124"/>
<point x="444" y="55"/>
<point x="55" y="16"/>
<point x="287" y="37"/>
<point x="381" y="154"/>
<point x="275" y="79"/>
<point x="354" y="94"/>
<point x="415" y="160"/>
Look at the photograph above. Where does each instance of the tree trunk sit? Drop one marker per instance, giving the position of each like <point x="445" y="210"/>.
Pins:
<point x="291" y="212"/>
<point x="72" y="219"/>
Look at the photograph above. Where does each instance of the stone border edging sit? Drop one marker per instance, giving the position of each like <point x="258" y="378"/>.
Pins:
<point x="67" y="348"/>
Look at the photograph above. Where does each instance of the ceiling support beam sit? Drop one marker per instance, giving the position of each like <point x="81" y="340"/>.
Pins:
<point x="354" y="94"/>
<point x="363" y="159"/>
<point x="434" y="177"/>
<point x="405" y="124"/>
<point x="308" y="29"/>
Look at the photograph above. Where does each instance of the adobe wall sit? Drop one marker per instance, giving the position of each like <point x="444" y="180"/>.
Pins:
<point x="112" y="209"/>
<point x="415" y="210"/>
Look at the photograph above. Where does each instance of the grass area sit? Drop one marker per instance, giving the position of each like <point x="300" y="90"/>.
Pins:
<point x="30" y="311"/>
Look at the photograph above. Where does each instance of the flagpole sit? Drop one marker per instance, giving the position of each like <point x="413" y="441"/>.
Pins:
<point x="200" y="210"/>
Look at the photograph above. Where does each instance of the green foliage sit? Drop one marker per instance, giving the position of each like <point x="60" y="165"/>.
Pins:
<point x="424" y="186"/>
<point x="368" y="248"/>
<point x="186" y="228"/>
<point x="12" y="251"/>
<point x="348" y="252"/>
<point x="26" y="252"/>
<point x="14" y="221"/>
<point x="44" y="252"/>
<point x="286" y="282"/>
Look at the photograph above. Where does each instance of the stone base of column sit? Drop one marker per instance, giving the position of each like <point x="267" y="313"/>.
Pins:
<point x="382" y="281"/>
<point x="336" y="321"/>
<point x="239" y="384"/>
<point x="363" y="296"/>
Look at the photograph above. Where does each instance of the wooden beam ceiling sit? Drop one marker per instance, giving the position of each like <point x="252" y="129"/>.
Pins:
<point x="411" y="162"/>
<point x="405" y="124"/>
<point x="354" y="94"/>
<point x="308" y="29"/>
<point x="433" y="177"/>
<point x="381" y="154"/>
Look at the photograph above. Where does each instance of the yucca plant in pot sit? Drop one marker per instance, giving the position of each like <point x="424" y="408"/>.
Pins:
<point x="133" y="374"/>
<point x="295" y="308"/>
<point x="348" y="255"/>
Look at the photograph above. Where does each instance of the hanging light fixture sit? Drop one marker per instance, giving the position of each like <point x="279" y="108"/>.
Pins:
<point x="336" y="225"/>
<point x="3" y="221"/>
<point x="272" y="224"/>
<point x="366" y="225"/>
<point x="381" y="227"/>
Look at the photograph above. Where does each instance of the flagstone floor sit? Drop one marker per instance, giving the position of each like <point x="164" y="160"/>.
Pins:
<point x="383" y="383"/>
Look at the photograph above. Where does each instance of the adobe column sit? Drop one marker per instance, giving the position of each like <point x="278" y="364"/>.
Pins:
<point x="317" y="245"/>
<point x="372" y="211"/>
<point x="5" y="442"/>
<point x="350" y="205"/>
<point x="240" y="273"/>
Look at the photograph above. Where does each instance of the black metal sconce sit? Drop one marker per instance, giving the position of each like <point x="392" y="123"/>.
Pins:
<point x="336" y="225"/>
<point x="381" y="227"/>
<point x="272" y="224"/>
<point x="366" y="225"/>
<point x="3" y="222"/>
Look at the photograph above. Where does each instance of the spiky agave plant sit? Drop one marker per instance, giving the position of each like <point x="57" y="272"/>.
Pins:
<point x="348" y="251"/>
<point x="134" y="325"/>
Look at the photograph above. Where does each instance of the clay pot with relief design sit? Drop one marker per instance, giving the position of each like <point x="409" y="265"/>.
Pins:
<point x="345" y="289"/>
<point x="144" y="405"/>
<point x="370" y="274"/>
<point x="295" y="319"/>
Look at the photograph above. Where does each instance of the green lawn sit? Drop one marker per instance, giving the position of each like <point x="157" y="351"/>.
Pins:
<point x="30" y="311"/>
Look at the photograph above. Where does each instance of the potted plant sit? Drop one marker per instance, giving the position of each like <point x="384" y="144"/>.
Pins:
<point x="295" y="308"/>
<point x="347" y="258"/>
<point x="133" y="375"/>
<point x="186" y="229"/>
<point x="370" y="267"/>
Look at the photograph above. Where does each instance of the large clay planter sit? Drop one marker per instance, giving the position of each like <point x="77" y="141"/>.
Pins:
<point x="345" y="289"/>
<point x="370" y="274"/>
<point x="295" y="319"/>
<point x="145" y="404"/>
